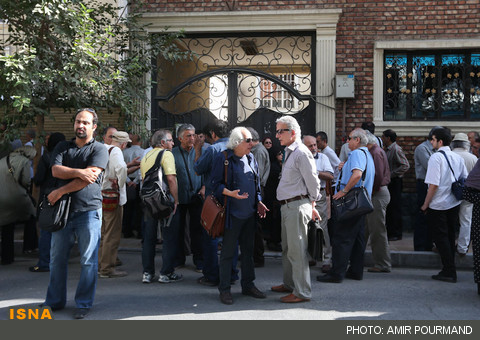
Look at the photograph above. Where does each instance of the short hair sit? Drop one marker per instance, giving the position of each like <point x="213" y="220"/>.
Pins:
<point x="254" y="133"/>
<point x="361" y="135"/>
<point x="105" y="131"/>
<point x="54" y="139"/>
<point x="460" y="144"/>
<point x="92" y="111"/>
<point x="236" y="137"/>
<point x="220" y="127"/>
<point x="184" y="127"/>
<point x="443" y="134"/>
<point x="368" y="126"/>
<point x="323" y="136"/>
<point x="158" y="136"/>
<point x="371" y="139"/>
<point x="475" y="134"/>
<point x="31" y="133"/>
<point x="292" y="124"/>
<point x="390" y="134"/>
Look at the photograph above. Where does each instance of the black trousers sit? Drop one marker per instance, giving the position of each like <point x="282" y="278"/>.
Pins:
<point x="348" y="247"/>
<point x="441" y="224"/>
<point x="190" y="239"/>
<point x="7" y="253"/>
<point x="421" y="236"/>
<point x="394" y="208"/>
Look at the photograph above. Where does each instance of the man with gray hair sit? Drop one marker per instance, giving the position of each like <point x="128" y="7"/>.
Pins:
<point x="191" y="193"/>
<point x="461" y="146"/>
<point x="161" y="141"/>
<point x="375" y="222"/>
<point x="348" y="239"/>
<point x="297" y="192"/>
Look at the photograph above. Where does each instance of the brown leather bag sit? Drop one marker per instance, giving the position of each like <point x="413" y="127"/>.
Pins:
<point x="213" y="213"/>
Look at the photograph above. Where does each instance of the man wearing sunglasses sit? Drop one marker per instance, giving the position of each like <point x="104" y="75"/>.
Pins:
<point x="297" y="191"/>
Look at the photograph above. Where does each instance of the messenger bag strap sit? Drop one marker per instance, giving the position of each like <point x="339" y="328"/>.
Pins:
<point x="225" y="171"/>
<point x="363" y="174"/>
<point x="10" y="168"/>
<point x="155" y="167"/>
<point x="445" y="155"/>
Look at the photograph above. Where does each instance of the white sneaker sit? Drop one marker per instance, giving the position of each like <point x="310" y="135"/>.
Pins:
<point x="147" y="278"/>
<point x="172" y="277"/>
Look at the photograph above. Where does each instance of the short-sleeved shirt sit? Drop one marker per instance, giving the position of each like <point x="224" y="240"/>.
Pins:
<point x="167" y="163"/>
<point x="439" y="174"/>
<point x="323" y="165"/>
<point x="92" y="154"/>
<point x="358" y="159"/>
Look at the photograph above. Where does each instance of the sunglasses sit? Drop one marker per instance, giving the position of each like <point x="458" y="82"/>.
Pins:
<point x="248" y="140"/>
<point x="349" y="138"/>
<point x="267" y="143"/>
<point x="280" y="131"/>
<point x="86" y="109"/>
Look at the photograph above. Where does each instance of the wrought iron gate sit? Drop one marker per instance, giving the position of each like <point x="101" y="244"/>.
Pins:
<point x="248" y="81"/>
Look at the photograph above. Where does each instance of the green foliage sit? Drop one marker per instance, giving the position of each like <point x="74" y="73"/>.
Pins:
<point x="72" y="53"/>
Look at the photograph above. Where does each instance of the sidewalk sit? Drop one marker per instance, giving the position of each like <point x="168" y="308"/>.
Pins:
<point x="401" y="252"/>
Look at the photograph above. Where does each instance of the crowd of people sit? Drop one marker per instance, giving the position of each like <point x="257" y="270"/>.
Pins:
<point x="271" y="188"/>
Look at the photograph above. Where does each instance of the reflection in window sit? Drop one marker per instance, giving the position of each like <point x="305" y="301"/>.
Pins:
<point x="432" y="85"/>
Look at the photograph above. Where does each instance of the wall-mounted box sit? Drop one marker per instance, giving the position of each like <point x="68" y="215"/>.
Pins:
<point x="344" y="86"/>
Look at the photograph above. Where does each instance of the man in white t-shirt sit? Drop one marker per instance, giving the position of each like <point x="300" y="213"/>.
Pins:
<point x="440" y="204"/>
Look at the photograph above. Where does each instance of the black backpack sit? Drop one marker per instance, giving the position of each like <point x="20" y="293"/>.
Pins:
<point x="155" y="200"/>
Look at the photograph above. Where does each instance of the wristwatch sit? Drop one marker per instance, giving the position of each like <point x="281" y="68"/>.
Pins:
<point x="343" y="190"/>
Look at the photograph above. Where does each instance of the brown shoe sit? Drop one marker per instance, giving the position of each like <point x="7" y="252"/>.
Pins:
<point x="292" y="299"/>
<point x="326" y="268"/>
<point x="113" y="274"/>
<point x="281" y="289"/>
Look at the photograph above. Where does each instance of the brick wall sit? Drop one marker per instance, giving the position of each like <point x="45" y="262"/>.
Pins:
<point x="361" y="23"/>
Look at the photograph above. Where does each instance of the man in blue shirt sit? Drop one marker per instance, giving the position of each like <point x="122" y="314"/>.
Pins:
<point x="79" y="166"/>
<point x="217" y="135"/>
<point x="348" y="237"/>
<point x="191" y="193"/>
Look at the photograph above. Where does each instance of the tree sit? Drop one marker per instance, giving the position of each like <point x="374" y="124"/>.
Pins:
<point x="70" y="54"/>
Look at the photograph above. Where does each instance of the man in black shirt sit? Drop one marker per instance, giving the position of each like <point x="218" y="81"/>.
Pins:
<point x="78" y="166"/>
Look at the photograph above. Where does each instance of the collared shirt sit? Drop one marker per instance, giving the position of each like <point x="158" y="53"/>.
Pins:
<point x="334" y="160"/>
<point x="263" y="160"/>
<point x="421" y="156"/>
<point x="116" y="169"/>
<point x="358" y="160"/>
<point x="439" y="174"/>
<point x="397" y="161"/>
<point x="323" y="165"/>
<point x="382" y="171"/>
<point x="185" y="159"/>
<point x="203" y="166"/>
<point x="299" y="174"/>
<point x="129" y="155"/>
<point x="92" y="154"/>
<point x="473" y="179"/>
<point x="470" y="159"/>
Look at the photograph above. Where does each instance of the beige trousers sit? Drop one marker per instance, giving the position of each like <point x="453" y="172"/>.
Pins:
<point x="111" y="235"/>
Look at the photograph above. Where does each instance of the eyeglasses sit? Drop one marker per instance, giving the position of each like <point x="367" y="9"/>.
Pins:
<point x="168" y="140"/>
<point x="280" y="131"/>
<point x="267" y="142"/>
<point x="248" y="140"/>
<point x="349" y="138"/>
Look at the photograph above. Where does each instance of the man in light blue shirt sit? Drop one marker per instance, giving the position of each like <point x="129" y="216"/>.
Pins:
<point x="348" y="238"/>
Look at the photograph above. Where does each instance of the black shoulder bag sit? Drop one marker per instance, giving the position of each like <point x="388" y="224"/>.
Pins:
<point x="154" y="199"/>
<point x="355" y="203"/>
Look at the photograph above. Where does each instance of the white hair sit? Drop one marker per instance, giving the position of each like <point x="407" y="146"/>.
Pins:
<point x="360" y="134"/>
<point x="371" y="139"/>
<point x="236" y="137"/>
<point x="292" y="124"/>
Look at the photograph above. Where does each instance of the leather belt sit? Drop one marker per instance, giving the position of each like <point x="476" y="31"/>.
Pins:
<point x="293" y="199"/>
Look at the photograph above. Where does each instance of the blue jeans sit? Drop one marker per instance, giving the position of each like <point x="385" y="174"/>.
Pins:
<point x="86" y="226"/>
<point x="44" y="249"/>
<point x="170" y="237"/>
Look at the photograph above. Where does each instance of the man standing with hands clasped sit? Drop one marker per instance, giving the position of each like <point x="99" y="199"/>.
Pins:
<point x="297" y="191"/>
<point x="79" y="163"/>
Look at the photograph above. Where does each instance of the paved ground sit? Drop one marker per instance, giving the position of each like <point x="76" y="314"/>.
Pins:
<point x="404" y="294"/>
